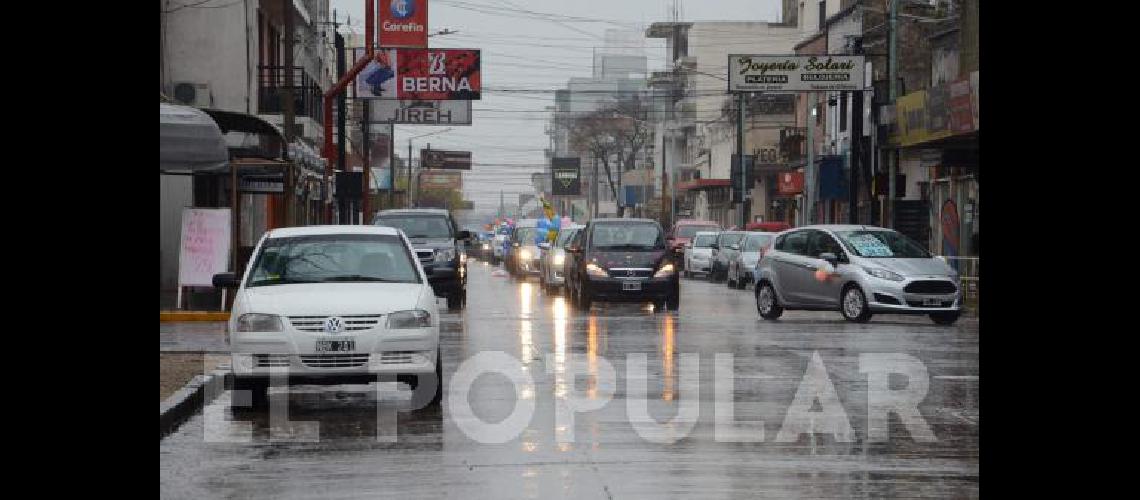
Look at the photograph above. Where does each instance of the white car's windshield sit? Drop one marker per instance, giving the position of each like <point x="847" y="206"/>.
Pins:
<point x="333" y="258"/>
<point x="886" y="244"/>
<point x="755" y="243"/>
<point x="704" y="241"/>
<point x="564" y="237"/>
<point x="687" y="231"/>
<point x="418" y="226"/>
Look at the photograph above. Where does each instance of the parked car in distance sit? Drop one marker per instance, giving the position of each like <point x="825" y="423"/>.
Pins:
<point x="439" y="247"/>
<point x="553" y="264"/>
<point x="725" y="249"/>
<point x="698" y="253"/>
<point x="333" y="305"/>
<point x="622" y="260"/>
<point x="741" y="267"/>
<point x="857" y="270"/>
<point x="683" y="232"/>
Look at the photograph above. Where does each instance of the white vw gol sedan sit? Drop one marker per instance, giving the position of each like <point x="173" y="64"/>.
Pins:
<point x="334" y="305"/>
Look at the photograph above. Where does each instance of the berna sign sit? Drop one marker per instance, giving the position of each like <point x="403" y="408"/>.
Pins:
<point x="430" y="74"/>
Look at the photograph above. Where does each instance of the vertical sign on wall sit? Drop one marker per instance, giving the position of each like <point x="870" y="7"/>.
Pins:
<point x="403" y="23"/>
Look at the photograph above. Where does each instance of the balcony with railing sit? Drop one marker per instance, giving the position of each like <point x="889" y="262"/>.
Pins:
<point x="271" y="85"/>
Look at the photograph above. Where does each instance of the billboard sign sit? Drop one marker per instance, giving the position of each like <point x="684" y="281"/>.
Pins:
<point x="767" y="73"/>
<point x="791" y="183"/>
<point x="418" y="112"/>
<point x="441" y="179"/>
<point x="565" y="176"/>
<point x="446" y="160"/>
<point x="403" y="23"/>
<point x="423" y="74"/>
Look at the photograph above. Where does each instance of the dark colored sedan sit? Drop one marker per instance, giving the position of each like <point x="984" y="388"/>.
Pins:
<point x="622" y="260"/>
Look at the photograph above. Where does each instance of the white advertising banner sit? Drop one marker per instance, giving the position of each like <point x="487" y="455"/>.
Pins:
<point x="205" y="248"/>
<point x="820" y="73"/>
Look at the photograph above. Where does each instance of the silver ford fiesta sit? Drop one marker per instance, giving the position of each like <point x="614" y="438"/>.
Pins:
<point x="859" y="270"/>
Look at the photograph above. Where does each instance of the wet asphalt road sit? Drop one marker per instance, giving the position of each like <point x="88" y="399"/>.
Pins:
<point x="607" y="457"/>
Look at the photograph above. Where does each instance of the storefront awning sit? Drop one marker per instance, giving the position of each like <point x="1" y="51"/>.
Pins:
<point x="189" y="140"/>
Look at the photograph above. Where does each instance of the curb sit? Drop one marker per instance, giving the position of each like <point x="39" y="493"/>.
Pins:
<point x="190" y="399"/>
<point x="165" y="316"/>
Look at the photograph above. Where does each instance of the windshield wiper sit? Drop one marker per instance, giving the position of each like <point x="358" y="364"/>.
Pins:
<point x="356" y="277"/>
<point x="281" y="281"/>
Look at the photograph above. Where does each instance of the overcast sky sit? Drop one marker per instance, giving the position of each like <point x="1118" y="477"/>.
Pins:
<point x="523" y="48"/>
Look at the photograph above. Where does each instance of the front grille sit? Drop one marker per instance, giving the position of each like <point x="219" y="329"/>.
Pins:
<point x="631" y="273"/>
<point x="334" y="360"/>
<point x="931" y="287"/>
<point x="397" y="357"/>
<point x="352" y="322"/>
<point x="270" y="360"/>
<point x="918" y="303"/>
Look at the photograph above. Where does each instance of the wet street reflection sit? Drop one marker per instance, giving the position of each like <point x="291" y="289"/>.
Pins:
<point x="567" y="353"/>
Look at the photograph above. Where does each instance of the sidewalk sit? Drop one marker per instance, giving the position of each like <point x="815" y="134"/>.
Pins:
<point x="186" y="349"/>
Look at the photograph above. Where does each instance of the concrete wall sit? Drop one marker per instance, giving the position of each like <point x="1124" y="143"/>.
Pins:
<point x="209" y="46"/>
<point x="175" y="193"/>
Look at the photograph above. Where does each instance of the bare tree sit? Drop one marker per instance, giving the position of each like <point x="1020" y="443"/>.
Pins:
<point x="617" y="133"/>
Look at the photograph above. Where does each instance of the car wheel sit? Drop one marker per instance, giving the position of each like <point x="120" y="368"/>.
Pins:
<point x="945" y="318"/>
<point x="438" y="397"/>
<point x="584" y="298"/>
<point x="728" y="281"/>
<point x="673" y="301"/>
<point x="766" y="303"/>
<point x="258" y="390"/>
<point x="742" y="282"/>
<point x="854" y="305"/>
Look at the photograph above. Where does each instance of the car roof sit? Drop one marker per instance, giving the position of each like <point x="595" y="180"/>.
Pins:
<point x="622" y="219"/>
<point x="697" y="223"/>
<point x="286" y="232"/>
<point x="527" y="223"/>
<point x="840" y="227"/>
<point x="706" y="233"/>
<point x="432" y="211"/>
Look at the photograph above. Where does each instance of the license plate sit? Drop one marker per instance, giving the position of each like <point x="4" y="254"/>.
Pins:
<point x="336" y="345"/>
<point x="631" y="286"/>
<point x="932" y="302"/>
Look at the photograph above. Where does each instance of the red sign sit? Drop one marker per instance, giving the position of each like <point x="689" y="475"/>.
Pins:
<point x="426" y="74"/>
<point x="403" y="23"/>
<point x="961" y="111"/>
<point x="791" y="183"/>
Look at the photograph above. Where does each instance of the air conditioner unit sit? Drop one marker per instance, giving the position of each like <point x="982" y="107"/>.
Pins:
<point x="193" y="94"/>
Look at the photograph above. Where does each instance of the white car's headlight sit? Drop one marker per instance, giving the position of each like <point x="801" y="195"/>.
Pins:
<point x="883" y="273"/>
<point x="559" y="259"/>
<point x="254" y="322"/>
<point x="596" y="270"/>
<point x="524" y="254"/>
<point x="666" y="270"/>
<point x="415" y="318"/>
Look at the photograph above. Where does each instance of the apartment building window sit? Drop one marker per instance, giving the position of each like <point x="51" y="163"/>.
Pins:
<point x="822" y="14"/>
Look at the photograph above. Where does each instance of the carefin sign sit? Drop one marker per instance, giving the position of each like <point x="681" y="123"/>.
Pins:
<point x="403" y="23"/>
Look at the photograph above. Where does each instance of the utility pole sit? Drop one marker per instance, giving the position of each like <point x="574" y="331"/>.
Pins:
<point x="664" y="183"/>
<point x="892" y="84"/>
<point x="391" y="162"/>
<point x="341" y="127"/>
<point x="740" y="156"/>
<point x="809" y="170"/>
<point x="594" y="189"/>
<point x="287" y="95"/>
<point x="367" y="154"/>
<point x="408" y="188"/>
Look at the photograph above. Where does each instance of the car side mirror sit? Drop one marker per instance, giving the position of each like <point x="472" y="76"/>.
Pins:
<point x="830" y="258"/>
<point x="734" y="247"/>
<point x="574" y="249"/>
<point x="226" y="280"/>
<point x="714" y="246"/>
